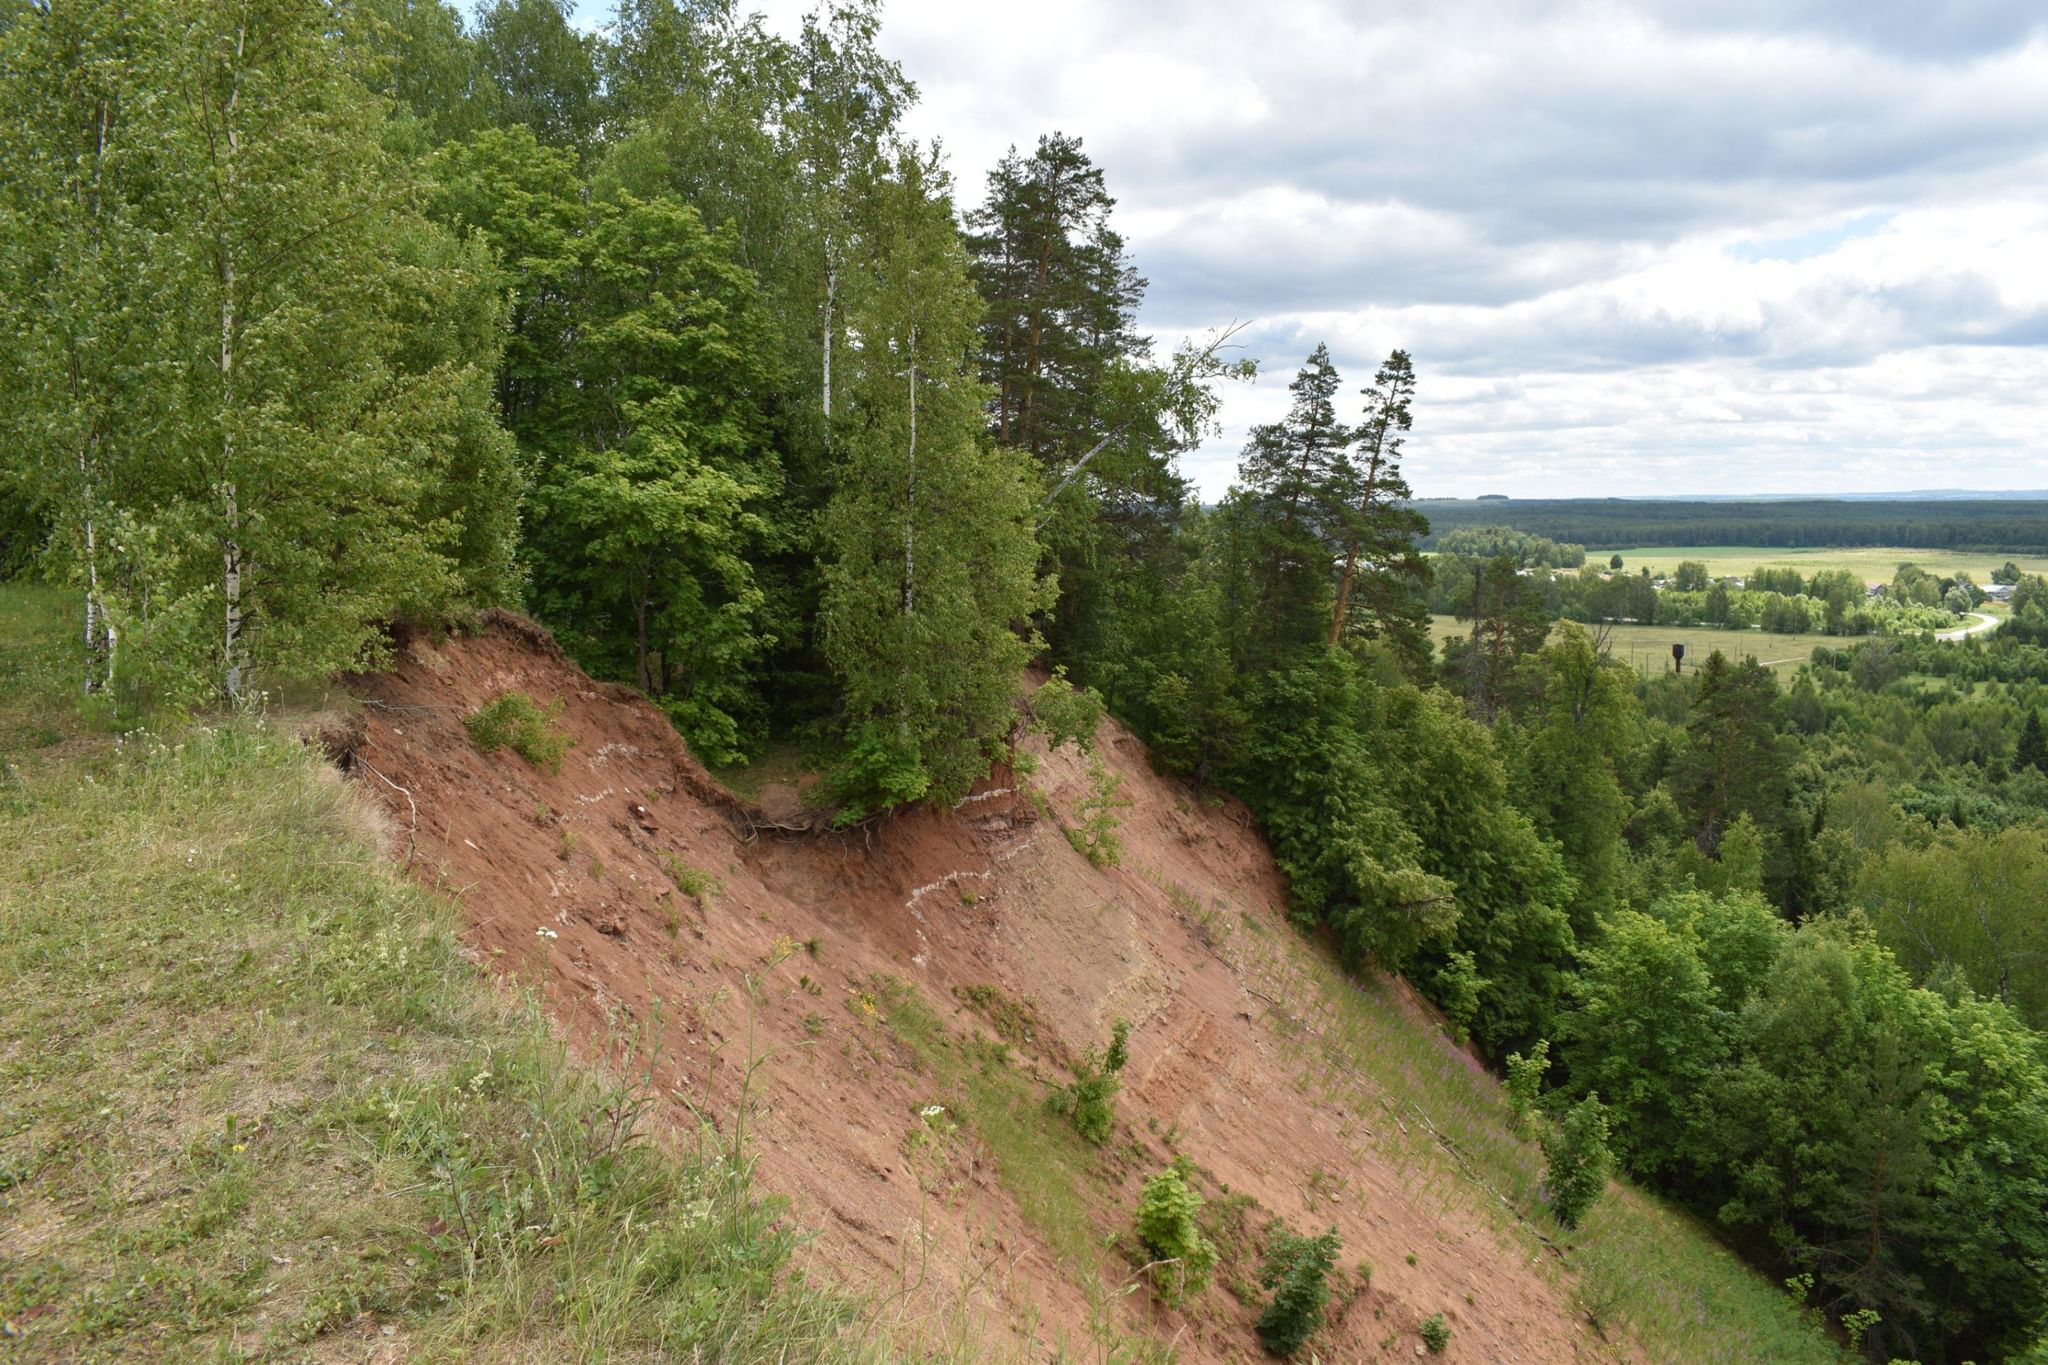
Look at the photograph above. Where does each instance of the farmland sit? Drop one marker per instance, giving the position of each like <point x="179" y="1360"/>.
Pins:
<point x="1648" y="648"/>
<point x="1872" y="564"/>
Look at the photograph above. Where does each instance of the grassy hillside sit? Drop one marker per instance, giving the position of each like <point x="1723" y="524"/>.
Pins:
<point x="254" y="1104"/>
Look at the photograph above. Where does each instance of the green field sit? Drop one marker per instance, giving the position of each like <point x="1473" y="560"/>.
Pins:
<point x="1648" y="648"/>
<point x="1874" y="565"/>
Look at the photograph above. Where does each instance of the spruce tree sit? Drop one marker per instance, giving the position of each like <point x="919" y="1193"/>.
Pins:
<point x="2032" y="751"/>
<point x="931" y="577"/>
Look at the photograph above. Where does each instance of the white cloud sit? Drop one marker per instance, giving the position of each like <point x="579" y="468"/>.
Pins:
<point x="1635" y="248"/>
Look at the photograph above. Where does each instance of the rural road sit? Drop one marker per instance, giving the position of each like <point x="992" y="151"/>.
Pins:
<point x="1984" y="623"/>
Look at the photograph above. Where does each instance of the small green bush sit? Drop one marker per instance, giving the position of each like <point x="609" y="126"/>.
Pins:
<point x="513" y="720"/>
<point x="1096" y="839"/>
<point x="1064" y="713"/>
<point x="1525" y="1083"/>
<point x="1458" y="984"/>
<point x="1576" y="1160"/>
<point x="1297" y="1270"/>
<point x="1091" y="1100"/>
<point x="1435" y="1333"/>
<point x="1168" y="1210"/>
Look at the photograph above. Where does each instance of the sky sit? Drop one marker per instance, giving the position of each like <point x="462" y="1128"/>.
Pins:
<point x="1634" y="249"/>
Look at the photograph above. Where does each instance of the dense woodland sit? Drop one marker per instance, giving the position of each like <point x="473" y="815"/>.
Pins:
<point x="324" y="317"/>
<point x="2005" y="527"/>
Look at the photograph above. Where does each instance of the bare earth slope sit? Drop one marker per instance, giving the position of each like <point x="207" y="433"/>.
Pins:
<point x="857" y="964"/>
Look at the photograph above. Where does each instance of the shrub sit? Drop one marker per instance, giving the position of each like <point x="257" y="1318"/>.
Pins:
<point x="1297" y="1270"/>
<point x="1435" y="1333"/>
<point x="1167" y="1212"/>
<point x="513" y="720"/>
<point x="1458" y="984"/>
<point x="1096" y="838"/>
<point x="1525" y="1083"/>
<point x="1576" y="1160"/>
<point x="1091" y="1100"/>
<point x="1064" y="713"/>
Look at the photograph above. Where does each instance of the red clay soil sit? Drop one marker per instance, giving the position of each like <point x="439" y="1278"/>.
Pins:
<point x="570" y="880"/>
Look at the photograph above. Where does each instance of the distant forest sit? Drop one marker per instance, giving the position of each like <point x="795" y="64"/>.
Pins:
<point x="2005" y="527"/>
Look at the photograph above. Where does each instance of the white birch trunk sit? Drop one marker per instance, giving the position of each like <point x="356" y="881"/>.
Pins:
<point x="910" y="495"/>
<point x="831" y="289"/>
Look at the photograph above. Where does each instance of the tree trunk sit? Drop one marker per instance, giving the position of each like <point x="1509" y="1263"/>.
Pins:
<point x="910" y="495"/>
<point x="1343" y="604"/>
<point x="831" y="289"/>
<point x="646" y="679"/>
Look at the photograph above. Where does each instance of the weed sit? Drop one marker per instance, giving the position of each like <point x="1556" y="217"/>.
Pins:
<point x="513" y="720"/>
<point x="1091" y="1100"/>
<point x="699" y="885"/>
<point x="1096" y="837"/>
<point x="1297" y="1270"/>
<point x="1168" y="1227"/>
<point x="1435" y="1333"/>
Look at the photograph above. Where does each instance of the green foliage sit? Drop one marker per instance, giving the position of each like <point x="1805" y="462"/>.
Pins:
<point x="932" y="557"/>
<point x="1528" y="551"/>
<point x="1458" y="985"/>
<point x="293" y="444"/>
<point x="1576" y="1160"/>
<point x="1435" y="1333"/>
<point x="1090" y="1100"/>
<point x="1525" y="1084"/>
<point x="1168" y="1227"/>
<point x="1297" y="1270"/>
<point x="1096" y="837"/>
<point x="514" y="720"/>
<point x="1064" y="713"/>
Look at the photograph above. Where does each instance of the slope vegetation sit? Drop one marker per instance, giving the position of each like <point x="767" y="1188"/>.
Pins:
<point x="885" y="1011"/>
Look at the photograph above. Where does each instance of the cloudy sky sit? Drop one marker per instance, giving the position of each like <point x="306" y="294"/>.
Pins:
<point x="1668" y="246"/>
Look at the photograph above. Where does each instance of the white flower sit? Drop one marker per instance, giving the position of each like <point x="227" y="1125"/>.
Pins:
<point x="545" y="932"/>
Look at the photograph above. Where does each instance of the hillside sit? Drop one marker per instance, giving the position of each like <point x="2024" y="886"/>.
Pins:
<point x="885" y="1010"/>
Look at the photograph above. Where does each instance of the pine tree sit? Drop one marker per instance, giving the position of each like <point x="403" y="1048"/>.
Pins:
<point x="1062" y="298"/>
<point x="1379" y="587"/>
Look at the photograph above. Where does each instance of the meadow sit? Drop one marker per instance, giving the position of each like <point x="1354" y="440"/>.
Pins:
<point x="1648" y="648"/>
<point x="1871" y="564"/>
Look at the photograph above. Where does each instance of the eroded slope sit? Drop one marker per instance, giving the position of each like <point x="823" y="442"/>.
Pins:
<point x="896" y="1002"/>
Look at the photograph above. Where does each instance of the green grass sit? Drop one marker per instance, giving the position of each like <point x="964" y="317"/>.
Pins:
<point x="1639" y="1268"/>
<point x="1873" y="565"/>
<point x="1648" y="648"/>
<point x="254" y="1104"/>
<point x="42" y="703"/>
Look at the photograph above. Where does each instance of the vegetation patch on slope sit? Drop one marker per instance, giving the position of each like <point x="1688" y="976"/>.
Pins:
<point x="253" y="1098"/>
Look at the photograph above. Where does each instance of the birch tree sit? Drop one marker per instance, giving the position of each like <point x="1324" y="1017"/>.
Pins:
<point x="73" y="245"/>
